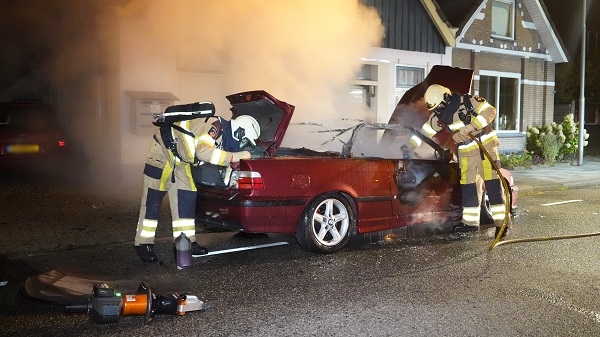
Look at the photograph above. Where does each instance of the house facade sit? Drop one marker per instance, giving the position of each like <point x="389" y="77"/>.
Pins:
<point x="510" y="44"/>
<point x="513" y="48"/>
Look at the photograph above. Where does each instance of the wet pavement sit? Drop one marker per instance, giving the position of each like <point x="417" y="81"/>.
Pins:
<point x="561" y="175"/>
<point x="441" y="285"/>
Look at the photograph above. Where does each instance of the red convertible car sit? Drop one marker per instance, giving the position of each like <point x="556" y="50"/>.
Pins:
<point x="325" y="198"/>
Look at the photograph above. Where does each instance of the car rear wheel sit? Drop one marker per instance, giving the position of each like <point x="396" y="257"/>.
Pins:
<point x="326" y="224"/>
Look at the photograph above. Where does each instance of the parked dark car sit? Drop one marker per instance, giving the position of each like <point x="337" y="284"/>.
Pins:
<point x="30" y="135"/>
<point x="326" y="197"/>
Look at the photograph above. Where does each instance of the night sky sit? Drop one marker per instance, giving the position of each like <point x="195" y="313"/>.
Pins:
<point x="566" y="15"/>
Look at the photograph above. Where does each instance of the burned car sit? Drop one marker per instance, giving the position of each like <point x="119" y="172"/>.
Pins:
<point x="326" y="197"/>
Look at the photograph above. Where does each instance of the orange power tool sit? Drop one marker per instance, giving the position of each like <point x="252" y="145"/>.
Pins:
<point x="106" y="305"/>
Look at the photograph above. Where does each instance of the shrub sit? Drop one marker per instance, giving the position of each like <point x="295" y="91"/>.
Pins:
<point x="550" y="144"/>
<point x="554" y="141"/>
<point x="516" y="159"/>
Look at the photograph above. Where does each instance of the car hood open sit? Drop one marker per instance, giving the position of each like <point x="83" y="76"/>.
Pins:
<point x="272" y="115"/>
<point x="411" y="109"/>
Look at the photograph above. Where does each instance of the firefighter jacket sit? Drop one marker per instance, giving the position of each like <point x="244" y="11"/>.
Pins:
<point x="474" y="114"/>
<point x="462" y="111"/>
<point x="202" y="146"/>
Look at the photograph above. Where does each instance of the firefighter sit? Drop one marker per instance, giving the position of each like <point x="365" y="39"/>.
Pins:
<point x="464" y="115"/>
<point x="216" y="141"/>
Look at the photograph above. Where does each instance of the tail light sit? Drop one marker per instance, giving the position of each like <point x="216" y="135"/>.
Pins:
<point x="61" y="143"/>
<point x="247" y="180"/>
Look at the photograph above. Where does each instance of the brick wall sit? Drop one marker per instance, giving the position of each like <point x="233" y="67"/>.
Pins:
<point x="536" y="73"/>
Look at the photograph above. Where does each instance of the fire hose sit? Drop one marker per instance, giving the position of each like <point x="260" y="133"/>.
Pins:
<point x="505" y="186"/>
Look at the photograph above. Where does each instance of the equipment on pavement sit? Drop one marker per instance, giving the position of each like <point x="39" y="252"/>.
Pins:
<point x="183" y="251"/>
<point x="106" y="304"/>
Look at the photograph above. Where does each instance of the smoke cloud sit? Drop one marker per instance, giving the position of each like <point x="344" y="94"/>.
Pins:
<point x="295" y="49"/>
<point x="303" y="52"/>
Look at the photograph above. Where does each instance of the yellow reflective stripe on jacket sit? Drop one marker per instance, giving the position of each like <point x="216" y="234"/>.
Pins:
<point x="456" y="125"/>
<point x="428" y="130"/>
<point x="218" y="157"/>
<point x="205" y="139"/>
<point x="480" y="121"/>
<point x="415" y="141"/>
<point x="485" y="139"/>
<point x="482" y="106"/>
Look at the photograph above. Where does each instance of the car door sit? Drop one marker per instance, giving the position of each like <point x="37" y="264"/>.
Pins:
<point x="426" y="186"/>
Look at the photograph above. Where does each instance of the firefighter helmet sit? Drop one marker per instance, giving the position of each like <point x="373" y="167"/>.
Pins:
<point x="245" y="129"/>
<point x="435" y="95"/>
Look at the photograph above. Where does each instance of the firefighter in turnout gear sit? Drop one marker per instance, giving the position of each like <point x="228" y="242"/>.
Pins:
<point x="197" y="141"/>
<point x="464" y="115"/>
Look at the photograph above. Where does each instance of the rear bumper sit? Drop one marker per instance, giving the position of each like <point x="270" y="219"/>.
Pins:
<point x="247" y="214"/>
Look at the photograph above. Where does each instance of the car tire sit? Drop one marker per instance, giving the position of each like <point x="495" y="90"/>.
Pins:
<point x="327" y="224"/>
<point x="486" y="217"/>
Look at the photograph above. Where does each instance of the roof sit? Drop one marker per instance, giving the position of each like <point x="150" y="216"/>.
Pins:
<point x="457" y="16"/>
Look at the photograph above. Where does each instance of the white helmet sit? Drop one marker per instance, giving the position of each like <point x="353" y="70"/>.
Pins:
<point x="244" y="129"/>
<point x="435" y="95"/>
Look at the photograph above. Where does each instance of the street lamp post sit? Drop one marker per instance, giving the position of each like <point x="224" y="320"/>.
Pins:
<point x="582" y="89"/>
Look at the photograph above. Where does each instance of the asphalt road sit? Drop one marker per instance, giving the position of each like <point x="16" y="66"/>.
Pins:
<point x="444" y="285"/>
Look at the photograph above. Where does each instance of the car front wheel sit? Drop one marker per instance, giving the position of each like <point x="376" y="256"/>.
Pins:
<point x="327" y="224"/>
<point x="486" y="217"/>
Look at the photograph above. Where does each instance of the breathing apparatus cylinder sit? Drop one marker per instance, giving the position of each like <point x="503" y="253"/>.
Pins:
<point x="183" y="251"/>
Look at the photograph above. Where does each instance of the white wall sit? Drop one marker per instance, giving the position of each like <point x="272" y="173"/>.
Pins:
<point x="394" y="58"/>
<point x="145" y="65"/>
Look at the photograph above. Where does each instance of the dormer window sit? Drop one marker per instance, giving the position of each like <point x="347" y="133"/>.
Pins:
<point x="503" y="18"/>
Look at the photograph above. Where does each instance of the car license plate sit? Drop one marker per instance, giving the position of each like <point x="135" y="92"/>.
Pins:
<point x="23" y="148"/>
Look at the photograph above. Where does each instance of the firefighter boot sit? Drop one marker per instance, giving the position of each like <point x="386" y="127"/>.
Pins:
<point x="498" y="225"/>
<point x="146" y="253"/>
<point x="198" y="250"/>
<point x="464" y="228"/>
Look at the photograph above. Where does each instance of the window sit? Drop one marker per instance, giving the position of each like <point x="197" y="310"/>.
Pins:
<point x="503" y="93"/>
<point x="503" y="12"/>
<point x="406" y="78"/>
<point x="361" y="95"/>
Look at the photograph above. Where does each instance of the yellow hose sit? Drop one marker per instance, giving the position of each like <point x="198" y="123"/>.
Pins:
<point x="497" y="241"/>
<point x="547" y="238"/>
<point x="506" y="191"/>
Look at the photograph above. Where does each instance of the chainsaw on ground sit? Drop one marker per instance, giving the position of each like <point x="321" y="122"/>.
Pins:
<point x="106" y="304"/>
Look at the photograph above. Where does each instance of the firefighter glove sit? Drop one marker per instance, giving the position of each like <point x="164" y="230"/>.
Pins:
<point x="466" y="130"/>
<point x="459" y="138"/>
<point x="236" y="156"/>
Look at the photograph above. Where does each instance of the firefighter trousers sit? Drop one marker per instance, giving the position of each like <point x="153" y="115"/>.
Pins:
<point x="475" y="167"/>
<point x="162" y="178"/>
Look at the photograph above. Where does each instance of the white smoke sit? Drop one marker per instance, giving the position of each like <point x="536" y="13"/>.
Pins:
<point x="303" y="52"/>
